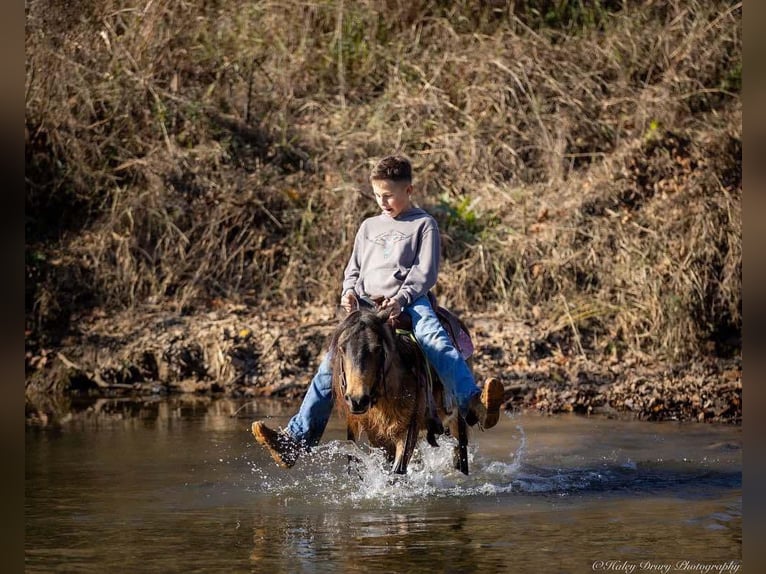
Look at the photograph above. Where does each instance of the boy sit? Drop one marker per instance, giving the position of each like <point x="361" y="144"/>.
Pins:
<point x="396" y="255"/>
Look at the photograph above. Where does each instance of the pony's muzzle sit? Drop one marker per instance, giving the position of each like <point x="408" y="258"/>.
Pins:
<point x="358" y="406"/>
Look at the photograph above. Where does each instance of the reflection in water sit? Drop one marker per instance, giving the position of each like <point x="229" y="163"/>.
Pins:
<point x="87" y="412"/>
<point x="393" y="540"/>
<point x="177" y="485"/>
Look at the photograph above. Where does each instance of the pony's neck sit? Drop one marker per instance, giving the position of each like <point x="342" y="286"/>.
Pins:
<point x="395" y="378"/>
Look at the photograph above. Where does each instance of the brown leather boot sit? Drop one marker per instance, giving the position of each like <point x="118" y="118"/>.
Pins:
<point x="281" y="446"/>
<point x="485" y="407"/>
<point x="492" y="397"/>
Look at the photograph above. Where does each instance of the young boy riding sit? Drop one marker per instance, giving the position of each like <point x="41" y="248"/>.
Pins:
<point x="396" y="255"/>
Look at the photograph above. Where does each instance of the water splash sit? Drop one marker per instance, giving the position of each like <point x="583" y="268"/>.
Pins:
<point x="342" y="472"/>
<point x="326" y="476"/>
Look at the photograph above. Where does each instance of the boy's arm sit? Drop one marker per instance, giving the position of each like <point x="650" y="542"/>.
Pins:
<point x="424" y="272"/>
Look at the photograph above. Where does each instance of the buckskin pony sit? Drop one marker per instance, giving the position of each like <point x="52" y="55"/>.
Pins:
<point x="385" y="388"/>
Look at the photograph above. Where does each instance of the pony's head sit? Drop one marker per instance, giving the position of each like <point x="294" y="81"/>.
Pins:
<point x="363" y="349"/>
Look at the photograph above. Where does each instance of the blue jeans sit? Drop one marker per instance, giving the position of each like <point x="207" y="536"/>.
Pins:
<point x="309" y="422"/>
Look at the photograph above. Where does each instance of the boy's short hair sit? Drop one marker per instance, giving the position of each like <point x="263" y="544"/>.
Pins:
<point x="392" y="168"/>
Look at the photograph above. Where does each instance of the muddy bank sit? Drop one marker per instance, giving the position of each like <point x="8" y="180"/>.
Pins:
<point x="239" y="352"/>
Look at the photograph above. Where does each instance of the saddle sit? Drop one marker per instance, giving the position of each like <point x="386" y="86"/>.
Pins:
<point x="456" y="329"/>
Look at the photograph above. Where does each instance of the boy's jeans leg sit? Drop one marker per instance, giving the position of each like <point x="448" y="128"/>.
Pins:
<point x="309" y="422"/>
<point x="442" y="354"/>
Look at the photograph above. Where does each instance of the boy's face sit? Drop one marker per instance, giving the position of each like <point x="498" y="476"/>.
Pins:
<point x="393" y="197"/>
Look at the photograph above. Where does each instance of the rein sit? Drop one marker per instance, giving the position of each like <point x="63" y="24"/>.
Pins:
<point x="342" y="373"/>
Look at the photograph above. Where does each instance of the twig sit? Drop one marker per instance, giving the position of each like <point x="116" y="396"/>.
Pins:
<point x="93" y="376"/>
<point x="240" y="408"/>
<point x="341" y="74"/>
<point x="575" y="332"/>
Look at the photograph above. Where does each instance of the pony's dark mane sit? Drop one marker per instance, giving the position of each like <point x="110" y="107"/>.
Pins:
<point x="360" y="324"/>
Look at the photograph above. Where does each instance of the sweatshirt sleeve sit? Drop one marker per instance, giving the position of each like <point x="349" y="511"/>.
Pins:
<point x="425" y="270"/>
<point x="351" y="273"/>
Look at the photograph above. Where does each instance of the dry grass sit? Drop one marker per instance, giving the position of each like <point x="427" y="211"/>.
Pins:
<point x="583" y="159"/>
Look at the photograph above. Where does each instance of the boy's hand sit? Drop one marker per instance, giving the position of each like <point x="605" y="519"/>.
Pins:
<point x="392" y="304"/>
<point x="349" y="302"/>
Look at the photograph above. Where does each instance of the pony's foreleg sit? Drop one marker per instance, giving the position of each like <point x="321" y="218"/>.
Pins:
<point x="460" y="454"/>
<point x="352" y="434"/>
<point x="405" y="448"/>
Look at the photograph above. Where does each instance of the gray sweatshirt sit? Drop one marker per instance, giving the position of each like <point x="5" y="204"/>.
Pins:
<point x="394" y="257"/>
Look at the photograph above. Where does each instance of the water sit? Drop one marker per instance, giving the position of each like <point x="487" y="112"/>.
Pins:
<point x="180" y="486"/>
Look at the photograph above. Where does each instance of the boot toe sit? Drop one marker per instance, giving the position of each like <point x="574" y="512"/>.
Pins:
<point x="492" y="396"/>
<point x="281" y="446"/>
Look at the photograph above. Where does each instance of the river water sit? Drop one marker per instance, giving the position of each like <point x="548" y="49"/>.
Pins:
<point x="179" y="485"/>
